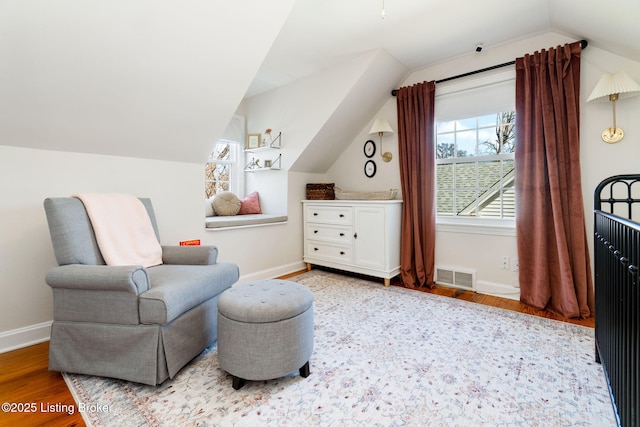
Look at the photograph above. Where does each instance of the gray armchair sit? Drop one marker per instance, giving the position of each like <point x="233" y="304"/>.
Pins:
<point x="129" y="322"/>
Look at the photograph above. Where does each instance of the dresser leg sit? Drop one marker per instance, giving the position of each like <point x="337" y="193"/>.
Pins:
<point x="308" y="266"/>
<point x="387" y="282"/>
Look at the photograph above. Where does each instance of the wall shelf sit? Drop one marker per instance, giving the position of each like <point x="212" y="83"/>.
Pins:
<point x="259" y="163"/>
<point x="257" y="150"/>
<point x="276" y="144"/>
<point x="254" y="165"/>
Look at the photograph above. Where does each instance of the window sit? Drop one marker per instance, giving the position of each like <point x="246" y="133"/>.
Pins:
<point x="475" y="142"/>
<point x="475" y="166"/>
<point x="222" y="169"/>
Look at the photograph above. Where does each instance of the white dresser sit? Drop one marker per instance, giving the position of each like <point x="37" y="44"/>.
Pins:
<point x="358" y="236"/>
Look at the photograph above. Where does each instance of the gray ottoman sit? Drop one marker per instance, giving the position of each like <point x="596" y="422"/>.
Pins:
<point x="265" y="330"/>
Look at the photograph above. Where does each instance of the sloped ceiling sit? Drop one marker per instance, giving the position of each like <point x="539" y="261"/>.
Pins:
<point x="156" y="79"/>
<point x="161" y="79"/>
<point x="418" y="33"/>
<point x="355" y="108"/>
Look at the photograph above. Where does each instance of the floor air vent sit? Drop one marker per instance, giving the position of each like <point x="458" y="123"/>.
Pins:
<point x="456" y="277"/>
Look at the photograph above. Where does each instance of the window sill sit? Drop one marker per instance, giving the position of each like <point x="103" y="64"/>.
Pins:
<point x="214" y="223"/>
<point x="486" y="227"/>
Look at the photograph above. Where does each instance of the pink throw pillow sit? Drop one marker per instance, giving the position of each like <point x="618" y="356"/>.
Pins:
<point x="250" y="204"/>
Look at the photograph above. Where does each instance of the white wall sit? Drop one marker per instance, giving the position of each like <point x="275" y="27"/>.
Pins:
<point x="598" y="159"/>
<point x="348" y="171"/>
<point x="483" y="252"/>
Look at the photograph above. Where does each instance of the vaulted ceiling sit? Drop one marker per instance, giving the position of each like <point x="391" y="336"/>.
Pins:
<point x="419" y="33"/>
<point x="157" y="79"/>
<point x="161" y="79"/>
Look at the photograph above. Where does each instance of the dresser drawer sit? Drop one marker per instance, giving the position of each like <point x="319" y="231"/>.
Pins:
<point x="329" y="252"/>
<point x="329" y="233"/>
<point x="340" y="215"/>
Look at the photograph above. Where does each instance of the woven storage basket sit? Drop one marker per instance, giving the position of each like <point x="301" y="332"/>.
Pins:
<point x="365" y="195"/>
<point x="320" y="191"/>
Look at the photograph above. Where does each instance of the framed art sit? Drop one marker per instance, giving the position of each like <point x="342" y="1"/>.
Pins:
<point x="370" y="168"/>
<point x="369" y="148"/>
<point x="253" y="141"/>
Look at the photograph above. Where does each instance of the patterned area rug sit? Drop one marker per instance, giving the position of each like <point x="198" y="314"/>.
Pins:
<point x="385" y="357"/>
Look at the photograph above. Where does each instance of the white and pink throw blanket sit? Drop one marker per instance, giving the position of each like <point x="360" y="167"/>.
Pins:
<point x="123" y="229"/>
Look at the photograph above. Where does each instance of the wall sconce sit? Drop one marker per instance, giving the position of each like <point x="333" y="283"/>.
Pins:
<point x="381" y="126"/>
<point x="614" y="86"/>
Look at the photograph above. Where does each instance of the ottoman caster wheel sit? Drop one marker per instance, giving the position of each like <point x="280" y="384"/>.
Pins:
<point x="304" y="371"/>
<point x="238" y="383"/>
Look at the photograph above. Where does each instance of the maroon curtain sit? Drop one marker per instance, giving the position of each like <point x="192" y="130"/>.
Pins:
<point x="416" y="147"/>
<point x="555" y="272"/>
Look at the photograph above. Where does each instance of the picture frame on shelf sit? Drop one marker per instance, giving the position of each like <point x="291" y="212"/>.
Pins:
<point x="253" y="141"/>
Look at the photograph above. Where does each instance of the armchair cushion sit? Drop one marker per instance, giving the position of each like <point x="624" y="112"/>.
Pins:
<point x="176" y="289"/>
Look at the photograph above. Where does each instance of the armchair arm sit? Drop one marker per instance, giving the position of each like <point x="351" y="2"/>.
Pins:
<point x="190" y="255"/>
<point x="129" y="278"/>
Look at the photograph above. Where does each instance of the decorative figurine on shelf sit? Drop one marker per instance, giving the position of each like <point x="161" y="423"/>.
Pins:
<point x="253" y="164"/>
<point x="264" y="140"/>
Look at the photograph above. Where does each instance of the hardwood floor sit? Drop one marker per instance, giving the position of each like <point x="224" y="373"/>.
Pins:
<point x="25" y="380"/>
<point x="462" y="294"/>
<point x="39" y="397"/>
<point x="507" y="304"/>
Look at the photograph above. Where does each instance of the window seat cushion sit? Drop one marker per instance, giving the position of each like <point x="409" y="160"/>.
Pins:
<point x="213" y="222"/>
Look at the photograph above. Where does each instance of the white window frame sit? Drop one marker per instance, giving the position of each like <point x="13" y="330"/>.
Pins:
<point x="236" y="176"/>
<point x="467" y="224"/>
<point x="234" y="135"/>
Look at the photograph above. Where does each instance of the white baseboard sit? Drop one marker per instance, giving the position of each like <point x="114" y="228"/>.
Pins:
<point x="498" y="290"/>
<point x="24" y="337"/>
<point x="270" y="273"/>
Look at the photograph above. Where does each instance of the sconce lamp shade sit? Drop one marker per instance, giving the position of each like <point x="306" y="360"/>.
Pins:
<point x="380" y="126"/>
<point x="618" y="83"/>
<point x="611" y="87"/>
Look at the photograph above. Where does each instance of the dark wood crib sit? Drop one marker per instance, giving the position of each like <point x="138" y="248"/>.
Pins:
<point x="617" y="291"/>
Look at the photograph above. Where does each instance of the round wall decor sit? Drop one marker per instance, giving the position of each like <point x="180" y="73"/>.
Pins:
<point x="369" y="148"/>
<point x="370" y="168"/>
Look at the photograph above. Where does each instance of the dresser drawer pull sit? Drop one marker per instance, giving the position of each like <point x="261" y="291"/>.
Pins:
<point x="315" y="214"/>
<point x="341" y="252"/>
<point x="355" y="236"/>
<point x="341" y="234"/>
<point x="315" y="249"/>
<point x="315" y="231"/>
<point x="341" y="215"/>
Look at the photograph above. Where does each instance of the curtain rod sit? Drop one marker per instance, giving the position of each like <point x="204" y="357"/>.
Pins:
<point x="583" y="44"/>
